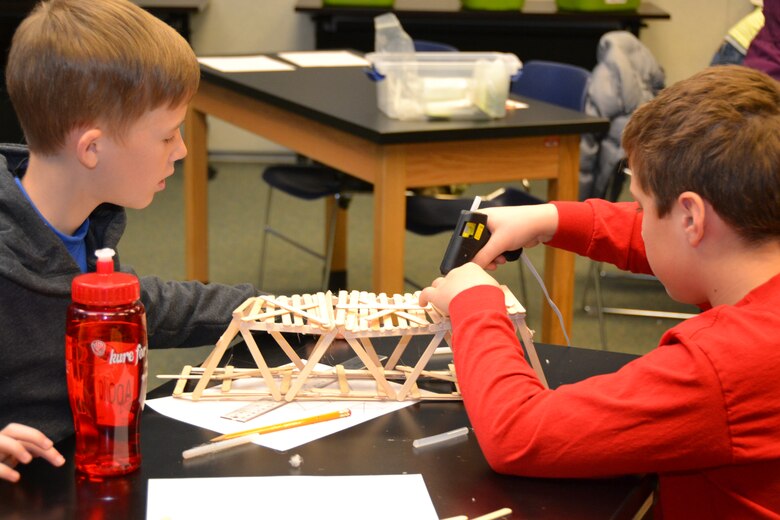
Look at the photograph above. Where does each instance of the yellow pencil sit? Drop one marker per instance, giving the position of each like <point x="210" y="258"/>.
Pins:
<point x="285" y="425"/>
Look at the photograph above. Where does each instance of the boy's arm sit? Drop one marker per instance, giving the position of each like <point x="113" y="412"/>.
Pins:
<point x="513" y="227"/>
<point x="603" y="231"/>
<point x="187" y="314"/>
<point x="655" y="414"/>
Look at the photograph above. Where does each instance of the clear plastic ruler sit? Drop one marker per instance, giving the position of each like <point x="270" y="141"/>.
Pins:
<point x="252" y="410"/>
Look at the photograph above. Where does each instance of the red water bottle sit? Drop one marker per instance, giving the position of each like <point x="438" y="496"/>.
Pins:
<point x="105" y="359"/>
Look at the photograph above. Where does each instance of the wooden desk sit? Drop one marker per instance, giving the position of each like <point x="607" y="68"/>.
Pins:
<point x="331" y="115"/>
<point x="457" y="476"/>
<point x="540" y="31"/>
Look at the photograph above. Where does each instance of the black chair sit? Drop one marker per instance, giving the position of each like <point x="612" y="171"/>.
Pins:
<point x="430" y="215"/>
<point x="310" y="181"/>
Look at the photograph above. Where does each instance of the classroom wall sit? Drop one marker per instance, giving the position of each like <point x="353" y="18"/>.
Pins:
<point x="241" y="27"/>
<point x="686" y="43"/>
<point x="683" y="45"/>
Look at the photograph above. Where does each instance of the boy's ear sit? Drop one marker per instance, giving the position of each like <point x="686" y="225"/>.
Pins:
<point x="88" y="147"/>
<point x="693" y="213"/>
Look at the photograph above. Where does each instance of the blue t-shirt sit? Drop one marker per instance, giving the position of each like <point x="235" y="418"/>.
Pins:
<point x="75" y="243"/>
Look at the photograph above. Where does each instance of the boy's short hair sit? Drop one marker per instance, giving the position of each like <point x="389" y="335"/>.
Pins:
<point x="79" y="62"/>
<point x="716" y="133"/>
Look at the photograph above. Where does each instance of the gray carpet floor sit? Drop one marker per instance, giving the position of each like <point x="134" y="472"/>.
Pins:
<point x="154" y="244"/>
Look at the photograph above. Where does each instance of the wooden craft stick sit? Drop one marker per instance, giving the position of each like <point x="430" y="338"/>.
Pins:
<point x="362" y="321"/>
<point x="351" y="322"/>
<point x="297" y="315"/>
<point x="294" y="310"/>
<point x="286" y="379"/>
<point x="260" y="362"/>
<point x="342" y="377"/>
<point x="380" y="306"/>
<point x="377" y="372"/>
<point x="369" y="348"/>
<point x="324" y="307"/>
<point x="181" y="383"/>
<point x="238" y="312"/>
<point x="455" y="375"/>
<point x="380" y="314"/>
<point x="319" y="350"/>
<point x="267" y="314"/>
<point x="532" y="355"/>
<point x="341" y="313"/>
<point x="410" y="317"/>
<point x="220" y="374"/>
<point x="444" y="376"/>
<point x="424" y="358"/>
<point x="387" y="320"/>
<point x="216" y="355"/>
<point x="228" y="378"/>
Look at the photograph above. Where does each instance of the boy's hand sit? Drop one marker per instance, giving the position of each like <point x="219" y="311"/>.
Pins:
<point x="513" y="227"/>
<point x="19" y="443"/>
<point x="443" y="290"/>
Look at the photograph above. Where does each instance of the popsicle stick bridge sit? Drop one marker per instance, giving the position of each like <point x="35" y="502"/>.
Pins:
<point x="354" y="316"/>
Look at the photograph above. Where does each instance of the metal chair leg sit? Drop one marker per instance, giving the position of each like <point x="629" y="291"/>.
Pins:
<point x="330" y="241"/>
<point x="264" y="240"/>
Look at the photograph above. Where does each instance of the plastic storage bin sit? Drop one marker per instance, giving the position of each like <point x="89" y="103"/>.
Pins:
<point x="597" y="5"/>
<point x="443" y="85"/>
<point x="493" y="5"/>
<point x="360" y="3"/>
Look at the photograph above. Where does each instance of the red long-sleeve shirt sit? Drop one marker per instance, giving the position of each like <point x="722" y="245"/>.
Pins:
<point x="702" y="410"/>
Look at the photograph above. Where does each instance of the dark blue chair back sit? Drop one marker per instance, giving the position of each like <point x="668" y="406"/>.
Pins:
<point x="552" y="82"/>
<point x="429" y="46"/>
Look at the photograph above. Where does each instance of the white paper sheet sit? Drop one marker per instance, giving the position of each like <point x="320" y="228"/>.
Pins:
<point x="207" y="414"/>
<point x="347" y="498"/>
<point x="324" y="59"/>
<point x="245" y="64"/>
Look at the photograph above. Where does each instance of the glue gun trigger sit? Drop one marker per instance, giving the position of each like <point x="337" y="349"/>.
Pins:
<point x="511" y="256"/>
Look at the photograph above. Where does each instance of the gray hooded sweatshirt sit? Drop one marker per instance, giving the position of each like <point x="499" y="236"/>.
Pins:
<point x="36" y="271"/>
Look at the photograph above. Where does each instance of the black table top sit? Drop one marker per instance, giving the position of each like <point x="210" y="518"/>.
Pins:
<point x="345" y="98"/>
<point x="457" y="476"/>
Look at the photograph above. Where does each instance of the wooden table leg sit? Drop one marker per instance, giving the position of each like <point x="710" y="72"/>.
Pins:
<point x="390" y="222"/>
<point x="196" y="205"/>
<point x="559" y="264"/>
<point x="338" y="267"/>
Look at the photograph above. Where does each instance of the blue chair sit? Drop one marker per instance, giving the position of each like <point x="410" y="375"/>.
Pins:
<point x="310" y="181"/>
<point x="555" y="83"/>
<point x="429" y="46"/>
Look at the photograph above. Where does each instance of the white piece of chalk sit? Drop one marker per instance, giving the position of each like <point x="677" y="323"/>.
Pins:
<point x="442" y="437"/>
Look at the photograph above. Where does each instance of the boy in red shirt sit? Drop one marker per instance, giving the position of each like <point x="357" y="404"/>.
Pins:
<point x="703" y="409"/>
